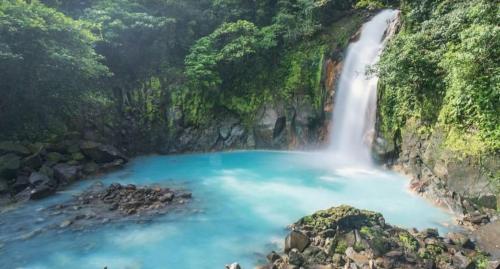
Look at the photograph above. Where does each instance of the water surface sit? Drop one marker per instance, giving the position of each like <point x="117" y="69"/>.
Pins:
<point x="246" y="199"/>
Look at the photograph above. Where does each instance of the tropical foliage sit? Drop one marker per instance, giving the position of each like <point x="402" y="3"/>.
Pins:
<point x="443" y="71"/>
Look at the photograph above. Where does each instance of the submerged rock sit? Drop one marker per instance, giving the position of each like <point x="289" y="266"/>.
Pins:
<point x="100" y="204"/>
<point x="346" y="237"/>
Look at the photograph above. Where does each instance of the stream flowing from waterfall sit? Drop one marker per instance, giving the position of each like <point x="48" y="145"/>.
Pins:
<point x="242" y="201"/>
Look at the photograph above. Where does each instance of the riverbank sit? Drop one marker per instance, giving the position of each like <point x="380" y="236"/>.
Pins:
<point x="33" y="171"/>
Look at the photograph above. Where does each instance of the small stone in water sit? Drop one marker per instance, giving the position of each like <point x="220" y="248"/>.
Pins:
<point x="65" y="223"/>
<point x="233" y="266"/>
<point x="186" y="195"/>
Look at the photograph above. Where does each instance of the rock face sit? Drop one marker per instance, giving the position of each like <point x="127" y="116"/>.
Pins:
<point x="462" y="184"/>
<point x="346" y="237"/>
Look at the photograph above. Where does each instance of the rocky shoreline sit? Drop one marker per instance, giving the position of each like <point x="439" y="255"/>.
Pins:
<point x="32" y="171"/>
<point x="346" y="237"/>
<point x="464" y="185"/>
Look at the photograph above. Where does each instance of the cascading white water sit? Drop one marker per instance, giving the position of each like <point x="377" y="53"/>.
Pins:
<point x="355" y="102"/>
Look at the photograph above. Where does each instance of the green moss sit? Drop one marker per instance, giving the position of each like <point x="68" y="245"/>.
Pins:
<point x="341" y="247"/>
<point x="370" y="4"/>
<point x="358" y="247"/>
<point x="366" y="231"/>
<point x="345" y="217"/>
<point x="408" y="242"/>
<point x="430" y="252"/>
<point x="481" y="261"/>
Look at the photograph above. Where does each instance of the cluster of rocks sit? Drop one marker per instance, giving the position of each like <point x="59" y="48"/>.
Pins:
<point x="36" y="170"/>
<point x="468" y="213"/>
<point x="346" y="237"/>
<point x="99" y="204"/>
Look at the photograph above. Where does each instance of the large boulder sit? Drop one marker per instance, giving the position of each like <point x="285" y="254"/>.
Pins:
<point x="66" y="173"/>
<point x="9" y="164"/>
<point x="41" y="186"/>
<point x="270" y="127"/>
<point x="101" y="153"/>
<point x="264" y="127"/>
<point x="16" y="148"/>
<point x="38" y="178"/>
<point x="296" y="240"/>
<point x="344" y="217"/>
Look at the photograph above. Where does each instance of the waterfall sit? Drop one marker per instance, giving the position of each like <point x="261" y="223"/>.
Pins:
<point x="356" y="96"/>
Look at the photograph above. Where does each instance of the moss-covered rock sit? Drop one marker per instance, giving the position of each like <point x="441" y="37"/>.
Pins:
<point x="343" y="236"/>
<point x="343" y="217"/>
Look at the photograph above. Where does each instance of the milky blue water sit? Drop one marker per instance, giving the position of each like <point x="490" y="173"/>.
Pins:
<point x="246" y="199"/>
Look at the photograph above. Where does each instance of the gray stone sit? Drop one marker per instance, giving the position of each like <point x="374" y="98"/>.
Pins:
<point x="224" y="132"/>
<point x="38" y="178"/>
<point x="236" y="134"/>
<point x="43" y="190"/>
<point x="295" y="257"/>
<point x="101" y="153"/>
<point x="359" y="259"/>
<point x="65" y="224"/>
<point x="264" y="127"/>
<point x="477" y="218"/>
<point x="493" y="265"/>
<point x="90" y="168"/>
<point x="461" y="240"/>
<point x="66" y="173"/>
<point x="112" y="165"/>
<point x="460" y="261"/>
<point x="296" y="240"/>
<point x="273" y="256"/>
<point x="41" y="186"/>
<point x="167" y="197"/>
